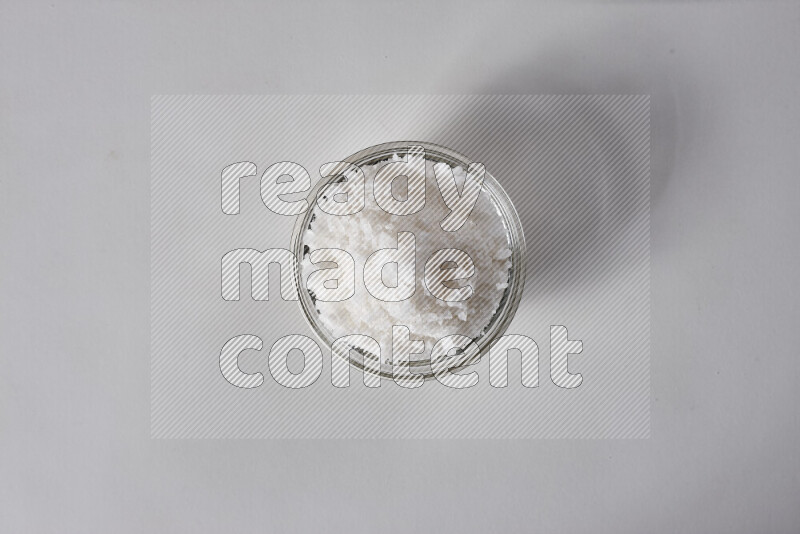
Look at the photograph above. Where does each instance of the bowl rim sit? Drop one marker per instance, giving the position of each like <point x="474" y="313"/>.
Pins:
<point x="509" y="301"/>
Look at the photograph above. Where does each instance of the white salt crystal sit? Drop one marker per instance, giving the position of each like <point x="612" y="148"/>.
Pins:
<point x="483" y="237"/>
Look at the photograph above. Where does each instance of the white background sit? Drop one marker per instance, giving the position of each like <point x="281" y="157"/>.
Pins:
<point x="75" y="453"/>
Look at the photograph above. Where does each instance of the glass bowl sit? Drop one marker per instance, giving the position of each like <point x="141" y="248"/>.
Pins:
<point x="514" y="234"/>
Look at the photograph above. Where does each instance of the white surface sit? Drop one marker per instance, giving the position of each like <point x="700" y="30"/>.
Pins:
<point x="74" y="411"/>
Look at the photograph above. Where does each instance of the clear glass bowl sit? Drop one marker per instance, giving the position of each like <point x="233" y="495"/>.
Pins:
<point x="516" y="241"/>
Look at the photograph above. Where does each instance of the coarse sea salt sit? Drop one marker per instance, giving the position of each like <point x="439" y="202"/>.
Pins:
<point x="483" y="237"/>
